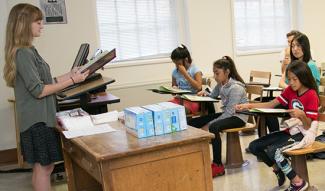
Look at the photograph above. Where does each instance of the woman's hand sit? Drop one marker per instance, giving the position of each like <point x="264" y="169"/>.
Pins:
<point x="296" y="113"/>
<point x="79" y="77"/>
<point x="241" y="107"/>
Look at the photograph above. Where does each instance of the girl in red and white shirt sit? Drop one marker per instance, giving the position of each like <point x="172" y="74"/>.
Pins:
<point x="302" y="100"/>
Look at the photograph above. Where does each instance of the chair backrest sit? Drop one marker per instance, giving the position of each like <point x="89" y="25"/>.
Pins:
<point x="261" y="75"/>
<point x="206" y="81"/>
<point x="254" y="90"/>
<point x="322" y="107"/>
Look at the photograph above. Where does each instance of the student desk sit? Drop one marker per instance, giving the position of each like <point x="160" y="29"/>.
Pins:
<point x="203" y="104"/>
<point x="270" y="90"/>
<point x="121" y="162"/>
<point x="261" y="126"/>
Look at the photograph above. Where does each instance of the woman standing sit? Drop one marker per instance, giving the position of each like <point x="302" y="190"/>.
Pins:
<point x="34" y="89"/>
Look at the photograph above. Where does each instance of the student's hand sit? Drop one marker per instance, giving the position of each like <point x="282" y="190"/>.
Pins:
<point x="296" y="113"/>
<point x="79" y="77"/>
<point x="201" y="93"/>
<point x="241" y="107"/>
<point x="181" y="68"/>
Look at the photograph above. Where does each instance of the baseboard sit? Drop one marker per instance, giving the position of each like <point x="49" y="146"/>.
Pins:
<point x="8" y="156"/>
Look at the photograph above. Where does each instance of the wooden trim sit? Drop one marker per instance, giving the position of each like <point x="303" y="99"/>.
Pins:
<point x="8" y="157"/>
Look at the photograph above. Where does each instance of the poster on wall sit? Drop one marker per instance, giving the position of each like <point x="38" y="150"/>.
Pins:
<point x="54" y="11"/>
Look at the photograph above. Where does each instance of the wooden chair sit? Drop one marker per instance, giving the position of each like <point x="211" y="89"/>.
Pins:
<point x="322" y="86"/>
<point x="265" y="76"/>
<point x="234" y="156"/>
<point x="298" y="157"/>
<point x="260" y="78"/>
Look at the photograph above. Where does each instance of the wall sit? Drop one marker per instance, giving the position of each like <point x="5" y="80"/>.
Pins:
<point x="210" y="36"/>
<point x="313" y="26"/>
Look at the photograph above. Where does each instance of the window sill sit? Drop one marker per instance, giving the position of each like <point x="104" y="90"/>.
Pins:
<point x="134" y="63"/>
<point x="258" y="52"/>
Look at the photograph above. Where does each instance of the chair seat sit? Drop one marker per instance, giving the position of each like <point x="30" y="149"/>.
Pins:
<point x="314" y="148"/>
<point x="247" y="127"/>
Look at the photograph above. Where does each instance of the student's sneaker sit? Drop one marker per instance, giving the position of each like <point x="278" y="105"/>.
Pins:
<point x="302" y="187"/>
<point x="280" y="176"/>
<point x="217" y="170"/>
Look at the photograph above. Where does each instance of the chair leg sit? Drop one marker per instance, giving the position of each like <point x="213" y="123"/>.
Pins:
<point x="299" y="164"/>
<point x="234" y="157"/>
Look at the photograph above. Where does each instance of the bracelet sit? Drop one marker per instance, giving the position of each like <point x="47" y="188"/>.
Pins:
<point x="72" y="80"/>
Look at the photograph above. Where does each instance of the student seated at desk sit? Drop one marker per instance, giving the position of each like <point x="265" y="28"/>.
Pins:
<point x="34" y="88"/>
<point x="231" y="88"/>
<point x="186" y="76"/>
<point x="300" y="50"/>
<point x="302" y="100"/>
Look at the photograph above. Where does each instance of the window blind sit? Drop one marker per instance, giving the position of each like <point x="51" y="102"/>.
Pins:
<point x="138" y="29"/>
<point x="261" y="24"/>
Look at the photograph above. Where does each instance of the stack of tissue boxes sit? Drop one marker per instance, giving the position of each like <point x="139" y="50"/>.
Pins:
<point x="155" y="119"/>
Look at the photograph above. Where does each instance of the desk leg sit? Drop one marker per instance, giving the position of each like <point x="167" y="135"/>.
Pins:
<point x="262" y="127"/>
<point x="299" y="164"/>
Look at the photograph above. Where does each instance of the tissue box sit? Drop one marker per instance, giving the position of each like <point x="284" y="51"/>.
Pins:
<point x="181" y="114"/>
<point x="148" y="122"/>
<point x="139" y="122"/>
<point x="134" y="121"/>
<point x="157" y="113"/>
<point x="170" y="117"/>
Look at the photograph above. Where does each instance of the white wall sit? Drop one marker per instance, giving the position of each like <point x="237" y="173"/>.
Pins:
<point x="313" y="26"/>
<point x="210" y="35"/>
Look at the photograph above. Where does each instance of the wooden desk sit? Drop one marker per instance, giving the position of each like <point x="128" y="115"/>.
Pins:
<point x="270" y="90"/>
<point x="121" y="162"/>
<point x="92" y="103"/>
<point x="84" y="88"/>
<point x="97" y="104"/>
<point x="261" y="125"/>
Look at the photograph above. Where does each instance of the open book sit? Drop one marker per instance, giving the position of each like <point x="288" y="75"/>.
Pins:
<point x="170" y="90"/>
<point x="198" y="98"/>
<point x="99" y="61"/>
<point x="268" y="110"/>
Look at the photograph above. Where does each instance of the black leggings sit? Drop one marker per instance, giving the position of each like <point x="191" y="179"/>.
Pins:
<point x="265" y="147"/>
<point x="216" y="128"/>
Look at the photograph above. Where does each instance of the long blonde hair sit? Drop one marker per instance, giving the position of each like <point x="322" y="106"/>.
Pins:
<point x="18" y="35"/>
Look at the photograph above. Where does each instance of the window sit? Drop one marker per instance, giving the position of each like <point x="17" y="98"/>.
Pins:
<point x="261" y="24"/>
<point x="138" y="29"/>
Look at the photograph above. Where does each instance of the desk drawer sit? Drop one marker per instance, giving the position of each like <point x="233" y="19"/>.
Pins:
<point x="82" y="159"/>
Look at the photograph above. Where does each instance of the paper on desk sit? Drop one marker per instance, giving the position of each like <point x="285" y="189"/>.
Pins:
<point x="198" y="98"/>
<point x="97" y="129"/>
<point x="268" y="110"/>
<point x="274" y="88"/>
<point x="76" y="123"/>
<point x="105" y="117"/>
